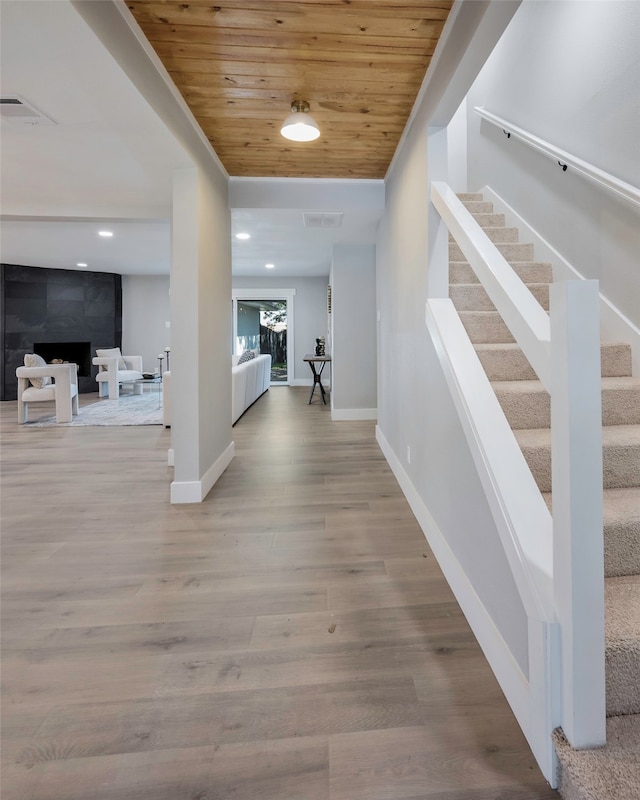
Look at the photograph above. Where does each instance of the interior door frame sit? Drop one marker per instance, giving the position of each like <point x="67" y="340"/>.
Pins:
<point x="270" y="294"/>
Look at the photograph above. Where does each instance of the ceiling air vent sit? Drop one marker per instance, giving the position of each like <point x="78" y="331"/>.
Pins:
<point x="18" y="110"/>
<point x="322" y="219"/>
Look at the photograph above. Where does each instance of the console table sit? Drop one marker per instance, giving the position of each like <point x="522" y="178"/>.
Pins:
<point x="312" y="361"/>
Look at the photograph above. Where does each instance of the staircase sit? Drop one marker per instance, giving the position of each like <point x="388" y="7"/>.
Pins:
<point x="612" y="772"/>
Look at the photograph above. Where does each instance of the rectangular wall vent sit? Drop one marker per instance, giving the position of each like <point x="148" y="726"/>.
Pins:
<point x="322" y="219"/>
<point x="328" y="299"/>
<point x="18" y="110"/>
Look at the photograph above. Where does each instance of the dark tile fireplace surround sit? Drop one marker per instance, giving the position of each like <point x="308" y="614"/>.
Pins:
<point x="59" y="314"/>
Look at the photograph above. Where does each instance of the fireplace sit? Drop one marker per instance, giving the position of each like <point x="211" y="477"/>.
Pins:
<point x="74" y="352"/>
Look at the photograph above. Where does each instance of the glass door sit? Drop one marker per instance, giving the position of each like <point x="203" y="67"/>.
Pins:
<point x="262" y="324"/>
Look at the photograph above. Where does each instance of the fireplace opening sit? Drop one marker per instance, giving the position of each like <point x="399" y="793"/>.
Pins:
<point x="74" y="352"/>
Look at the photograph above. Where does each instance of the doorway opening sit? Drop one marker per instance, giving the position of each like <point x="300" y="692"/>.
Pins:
<point x="262" y="321"/>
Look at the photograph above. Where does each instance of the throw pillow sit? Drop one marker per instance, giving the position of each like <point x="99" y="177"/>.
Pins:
<point x="34" y="360"/>
<point x="246" y="356"/>
<point x="112" y="352"/>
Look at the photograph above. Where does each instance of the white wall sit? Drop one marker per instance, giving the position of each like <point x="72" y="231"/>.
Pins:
<point x="310" y="314"/>
<point x="201" y="328"/>
<point x="145" y="312"/>
<point x="569" y="73"/>
<point x="414" y="406"/>
<point x="416" y="418"/>
<point x="353" y="332"/>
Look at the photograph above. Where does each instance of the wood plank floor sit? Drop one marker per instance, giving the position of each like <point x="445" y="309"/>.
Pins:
<point x="291" y="638"/>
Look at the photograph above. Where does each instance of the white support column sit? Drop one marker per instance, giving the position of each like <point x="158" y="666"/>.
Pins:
<point x="200" y="334"/>
<point x="576" y="423"/>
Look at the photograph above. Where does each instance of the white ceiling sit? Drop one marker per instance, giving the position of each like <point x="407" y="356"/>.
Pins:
<point x="108" y="163"/>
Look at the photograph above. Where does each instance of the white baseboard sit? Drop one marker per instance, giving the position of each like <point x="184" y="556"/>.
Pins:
<point x="196" y="491"/>
<point x="512" y="680"/>
<point x="171" y="457"/>
<point x="348" y="414"/>
<point x="615" y="327"/>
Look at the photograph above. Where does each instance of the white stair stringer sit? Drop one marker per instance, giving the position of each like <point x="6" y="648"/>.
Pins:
<point x="584" y="773"/>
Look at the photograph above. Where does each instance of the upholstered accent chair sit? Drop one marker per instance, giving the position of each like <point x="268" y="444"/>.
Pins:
<point x="46" y="383"/>
<point x="115" y="369"/>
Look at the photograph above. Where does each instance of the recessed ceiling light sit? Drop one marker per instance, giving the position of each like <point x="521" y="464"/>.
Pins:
<point x="243" y="235"/>
<point x="81" y="264"/>
<point x="106" y="234"/>
<point x="269" y="266"/>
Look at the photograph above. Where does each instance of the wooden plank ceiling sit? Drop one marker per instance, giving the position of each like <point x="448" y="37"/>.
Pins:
<point x="239" y="64"/>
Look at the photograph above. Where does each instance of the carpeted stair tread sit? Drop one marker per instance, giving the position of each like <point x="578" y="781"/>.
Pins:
<point x="615" y="358"/>
<point x="527" y="404"/>
<point x="498" y="234"/>
<point x="621" y="514"/>
<point x="489" y="220"/>
<point x="621" y="455"/>
<point x="466" y="196"/>
<point x="622" y="650"/>
<point x="621" y="523"/>
<point x="612" y="772"/>
<point x="478" y="206"/>
<point x="512" y="252"/>
<point x="506" y="361"/>
<point x="473" y="296"/>
<point x="529" y="271"/>
<point x="485" y="326"/>
<point x="607" y="773"/>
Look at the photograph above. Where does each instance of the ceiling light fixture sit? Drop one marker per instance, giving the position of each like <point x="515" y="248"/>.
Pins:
<point x="243" y="236"/>
<point x="105" y="234"/>
<point x="81" y="264"/>
<point x="269" y="266"/>
<point x="300" y="126"/>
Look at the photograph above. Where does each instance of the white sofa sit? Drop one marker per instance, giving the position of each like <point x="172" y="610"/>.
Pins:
<point x="248" y="381"/>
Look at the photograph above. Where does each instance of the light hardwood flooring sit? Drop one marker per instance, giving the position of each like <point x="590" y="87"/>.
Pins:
<point x="291" y="638"/>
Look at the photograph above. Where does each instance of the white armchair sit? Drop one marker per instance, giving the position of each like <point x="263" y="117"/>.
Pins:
<point x="115" y="369"/>
<point x="63" y="391"/>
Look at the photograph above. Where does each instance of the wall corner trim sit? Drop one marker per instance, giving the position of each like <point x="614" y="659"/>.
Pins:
<point x="196" y="491"/>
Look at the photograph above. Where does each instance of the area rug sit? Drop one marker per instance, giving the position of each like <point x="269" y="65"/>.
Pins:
<point x="128" y="409"/>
